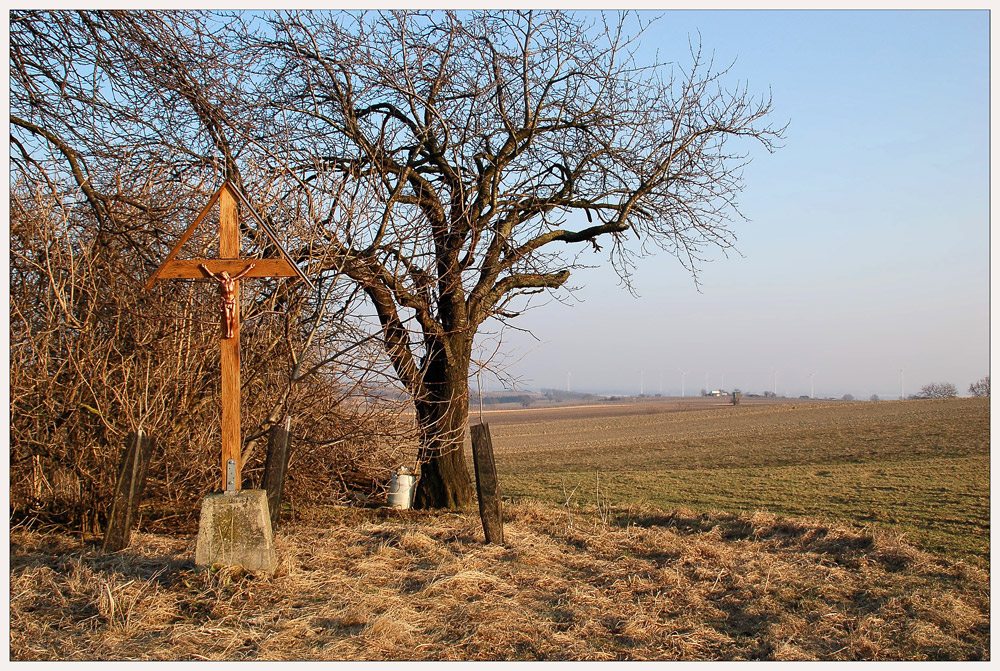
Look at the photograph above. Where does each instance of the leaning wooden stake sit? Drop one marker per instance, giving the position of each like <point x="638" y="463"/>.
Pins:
<point x="487" y="486"/>
<point x="132" y="467"/>
<point x="276" y="467"/>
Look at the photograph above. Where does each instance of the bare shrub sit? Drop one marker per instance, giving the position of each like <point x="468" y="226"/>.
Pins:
<point x="94" y="358"/>
<point x="938" y="390"/>
<point x="980" y="387"/>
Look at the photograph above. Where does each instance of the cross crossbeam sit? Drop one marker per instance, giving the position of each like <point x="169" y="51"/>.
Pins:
<point x="190" y="269"/>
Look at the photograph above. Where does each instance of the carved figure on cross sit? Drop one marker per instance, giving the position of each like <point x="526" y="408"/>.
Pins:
<point x="229" y="295"/>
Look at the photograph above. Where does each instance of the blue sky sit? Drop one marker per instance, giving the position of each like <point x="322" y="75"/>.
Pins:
<point x="868" y="245"/>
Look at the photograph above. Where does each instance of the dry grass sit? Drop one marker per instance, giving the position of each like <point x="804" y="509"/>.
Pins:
<point x="380" y="585"/>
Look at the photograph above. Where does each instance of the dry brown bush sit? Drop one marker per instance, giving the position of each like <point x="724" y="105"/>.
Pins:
<point x="382" y="585"/>
<point x="93" y="357"/>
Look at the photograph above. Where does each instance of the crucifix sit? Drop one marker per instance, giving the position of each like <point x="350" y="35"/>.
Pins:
<point x="227" y="271"/>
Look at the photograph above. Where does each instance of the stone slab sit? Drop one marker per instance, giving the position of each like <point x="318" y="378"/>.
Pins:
<point x="235" y="530"/>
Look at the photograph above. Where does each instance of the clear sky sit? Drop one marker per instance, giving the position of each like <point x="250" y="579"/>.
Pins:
<point x="868" y="246"/>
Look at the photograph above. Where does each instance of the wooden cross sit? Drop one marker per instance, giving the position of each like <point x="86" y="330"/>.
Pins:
<point x="229" y="199"/>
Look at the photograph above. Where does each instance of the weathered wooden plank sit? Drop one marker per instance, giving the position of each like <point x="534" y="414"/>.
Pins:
<point x="487" y="485"/>
<point x="276" y="466"/>
<point x="231" y="441"/>
<point x="188" y="268"/>
<point x="229" y="224"/>
<point x="133" y="465"/>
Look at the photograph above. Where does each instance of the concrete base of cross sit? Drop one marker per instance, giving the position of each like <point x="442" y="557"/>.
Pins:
<point x="235" y="530"/>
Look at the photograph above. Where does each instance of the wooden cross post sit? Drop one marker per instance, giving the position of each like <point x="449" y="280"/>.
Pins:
<point x="227" y="270"/>
<point x="229" y="248"/>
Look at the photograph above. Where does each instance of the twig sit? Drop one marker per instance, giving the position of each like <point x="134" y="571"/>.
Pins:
<point x="603" y="512"/>
<point x="568" y="497"/>
<point x="479" y="384"/>
<point x="719" y="577"/>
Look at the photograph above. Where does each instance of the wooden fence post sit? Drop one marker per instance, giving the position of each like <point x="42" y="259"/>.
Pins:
<point x="132" y="467"/>
<point x="276" y="466"/>
<point x="487" y="486"/>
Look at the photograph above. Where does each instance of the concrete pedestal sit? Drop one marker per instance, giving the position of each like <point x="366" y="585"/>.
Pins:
<point x="235" y="530"/>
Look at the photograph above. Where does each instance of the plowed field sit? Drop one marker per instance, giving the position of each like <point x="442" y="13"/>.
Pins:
<point x="920" y="468"/>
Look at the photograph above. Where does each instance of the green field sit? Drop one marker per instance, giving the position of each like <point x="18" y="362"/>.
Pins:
<point x="918" y="468"/>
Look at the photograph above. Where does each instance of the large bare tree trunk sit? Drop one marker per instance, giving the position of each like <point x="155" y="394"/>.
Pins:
<point x="443" y="414"/>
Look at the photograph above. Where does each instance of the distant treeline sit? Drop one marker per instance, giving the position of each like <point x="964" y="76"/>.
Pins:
<point x="528" y="397"/>
<point x="558" y="395"/>
<point x="510" y="398"/>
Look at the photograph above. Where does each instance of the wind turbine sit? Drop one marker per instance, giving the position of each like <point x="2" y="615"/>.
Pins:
<point x="811" y="389"/>
<point x="683" y="374"/>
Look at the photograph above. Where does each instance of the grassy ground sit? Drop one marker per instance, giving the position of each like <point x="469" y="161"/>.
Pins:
<point x="379" y="585"/>
<point x="919" y="468"/>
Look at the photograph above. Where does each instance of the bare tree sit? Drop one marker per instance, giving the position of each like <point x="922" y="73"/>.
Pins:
<point x="462" y="162"/>
<point x="980" y="387"/>
<point x="444" y="166"/>
<point x="938" y="390"/>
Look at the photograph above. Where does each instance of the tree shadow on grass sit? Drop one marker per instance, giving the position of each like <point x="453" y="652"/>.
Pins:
<point x="843" y="546"/>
